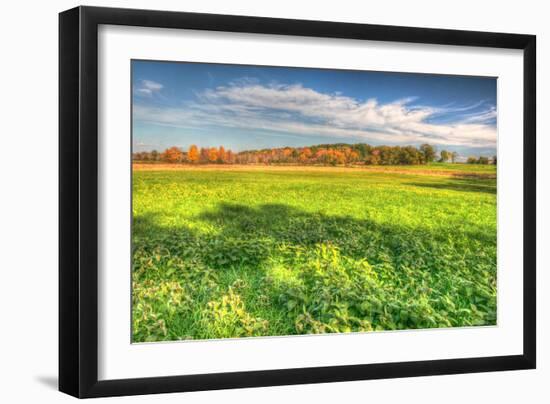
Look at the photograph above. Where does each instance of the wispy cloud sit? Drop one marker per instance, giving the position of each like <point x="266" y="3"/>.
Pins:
<point x="485" y="116"/>
<point x="147" y="88"/>
<point x="299" y="110"/>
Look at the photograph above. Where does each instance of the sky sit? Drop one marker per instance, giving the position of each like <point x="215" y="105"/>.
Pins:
<point x="253" y="107"/>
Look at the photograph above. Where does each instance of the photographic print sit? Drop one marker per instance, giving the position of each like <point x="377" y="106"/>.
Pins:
<point x="279" y="201"/>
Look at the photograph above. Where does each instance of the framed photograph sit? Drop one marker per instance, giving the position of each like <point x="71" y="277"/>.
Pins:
<point x="251" y="201"/>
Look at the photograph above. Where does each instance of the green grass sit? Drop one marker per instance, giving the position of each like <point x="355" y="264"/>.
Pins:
<point x="456" y="168"/>
<point x="233" y="253"/>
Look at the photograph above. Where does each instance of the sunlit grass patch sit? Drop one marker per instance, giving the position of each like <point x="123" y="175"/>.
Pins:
<point x="233" y="253"/>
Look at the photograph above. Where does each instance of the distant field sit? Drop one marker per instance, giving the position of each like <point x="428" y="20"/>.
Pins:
<point x="446" y="169"/>
<point x="234" y="251"/>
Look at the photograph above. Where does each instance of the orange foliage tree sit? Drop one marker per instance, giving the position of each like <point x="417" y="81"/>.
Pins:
<point x="323" y="154"/>
<point x="212" y="155"/>
<point x="172" y="155"/>
<point x="305" y="155"/>
<point x="193" y="154"/>
<point x="222" y="155"/>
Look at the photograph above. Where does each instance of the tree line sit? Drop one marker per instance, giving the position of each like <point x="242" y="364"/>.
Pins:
<point x="323" y="154"/>
<point x="482" y="160"/>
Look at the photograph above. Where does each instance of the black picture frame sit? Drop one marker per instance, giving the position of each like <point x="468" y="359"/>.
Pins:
<point x="78" y="201"/>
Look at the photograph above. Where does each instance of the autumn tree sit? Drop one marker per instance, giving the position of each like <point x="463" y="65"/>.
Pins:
<point x="374" y="157"/>
<point x="172" y="155"/>
<point x="204" y="155"/>
<point x="305" y="155"/>
<point x="286" y="154"/>
<point x="212" y="155"/>
<point x="193" y="154"/>
<point x="222" y="155"/>
<point x="328" y="154"/>
<point x="350" y="155"/>
<point x="339" y="157"/>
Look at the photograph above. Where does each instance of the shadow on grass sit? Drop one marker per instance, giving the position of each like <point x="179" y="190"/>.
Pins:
<point x="246" y="236"/>
<point x="236" y="244"/>
<point x="461" y="185"/>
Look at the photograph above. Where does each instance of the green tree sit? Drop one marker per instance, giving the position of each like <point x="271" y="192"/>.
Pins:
<point x="428" y="151"/>
<point x="483" y="160"/>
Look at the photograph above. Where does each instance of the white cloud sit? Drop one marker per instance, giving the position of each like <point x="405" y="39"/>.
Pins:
<point x="148" y="87"/>
<point x="482" y="117"/>
<point x="299" y="110"/>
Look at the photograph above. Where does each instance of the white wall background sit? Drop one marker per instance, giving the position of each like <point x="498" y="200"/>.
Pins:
<point x="28" y="199"/>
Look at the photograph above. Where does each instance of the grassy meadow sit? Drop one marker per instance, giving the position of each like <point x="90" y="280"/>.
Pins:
<point x="239" y="251"/>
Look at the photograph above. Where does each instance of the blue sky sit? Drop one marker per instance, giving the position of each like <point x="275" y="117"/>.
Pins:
<point x="251" y="107"/>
